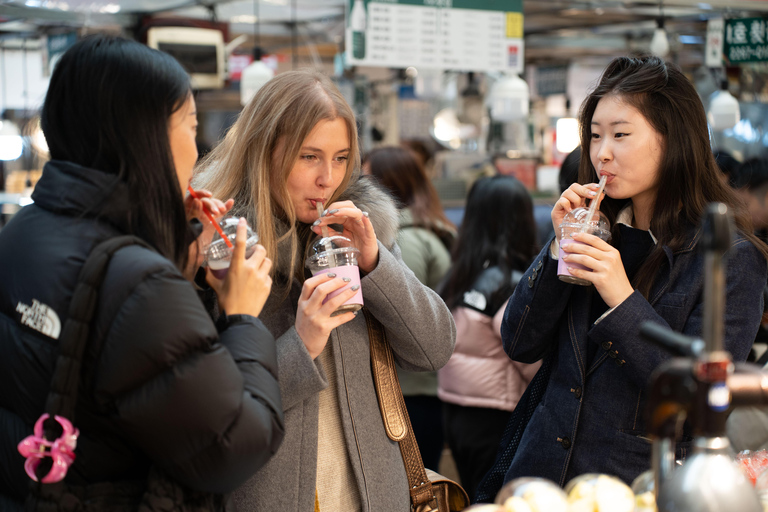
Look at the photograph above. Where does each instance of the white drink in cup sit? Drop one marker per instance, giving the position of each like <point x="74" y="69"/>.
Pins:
<point x="575" y="222"/>
<point x="336" y="254"/>
<point x="218" y="255"/>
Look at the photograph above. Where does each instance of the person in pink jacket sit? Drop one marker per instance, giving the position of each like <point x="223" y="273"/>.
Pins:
<point x="480" y="385"/>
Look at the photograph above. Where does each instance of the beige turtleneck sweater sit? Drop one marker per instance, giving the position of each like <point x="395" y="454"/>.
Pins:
<point x="336" y="487"/>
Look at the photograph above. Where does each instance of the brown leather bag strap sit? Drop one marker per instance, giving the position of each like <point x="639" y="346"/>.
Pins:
<point x="395" y="415"/>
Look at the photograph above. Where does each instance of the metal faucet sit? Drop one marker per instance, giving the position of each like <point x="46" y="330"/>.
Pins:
<point x="702" y="388"/>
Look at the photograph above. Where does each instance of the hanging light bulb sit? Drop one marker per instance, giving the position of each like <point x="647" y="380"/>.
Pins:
<point x="567" y="135"/>
<point x="724" y="109"/>
<point x="11" y="143"/>
<point x="253" y="77"/>
<point x="509" y="99"/>
<point x="256" y="74"/>
<point x="660" y="42"/>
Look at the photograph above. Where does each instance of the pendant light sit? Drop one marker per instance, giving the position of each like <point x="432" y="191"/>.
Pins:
<point x="257" y="73"/>
<point x="660" y="41"/>
<point x="724" y="109"/>
<point x="11" y="143"/>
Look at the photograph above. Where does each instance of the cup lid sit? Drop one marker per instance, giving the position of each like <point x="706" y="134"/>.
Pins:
<point x="331" y="245"/>
<point x="218" y="249"/>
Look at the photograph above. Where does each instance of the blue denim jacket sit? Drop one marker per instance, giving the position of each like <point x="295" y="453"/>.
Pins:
<point x="591" y="417"/>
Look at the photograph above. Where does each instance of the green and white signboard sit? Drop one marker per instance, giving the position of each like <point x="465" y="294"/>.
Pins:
<point x="746" y="40"/>
<point x="461" y="35"/>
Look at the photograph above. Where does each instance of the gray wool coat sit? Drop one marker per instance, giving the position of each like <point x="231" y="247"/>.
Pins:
<point x="422" y="334"/>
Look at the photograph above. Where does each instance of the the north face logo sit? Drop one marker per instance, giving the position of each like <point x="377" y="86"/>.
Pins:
<point x="40" y="317"/>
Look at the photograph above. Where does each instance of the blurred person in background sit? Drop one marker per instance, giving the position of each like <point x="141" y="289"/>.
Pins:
<point x="728" y="164"/>
<point x="424" y="236"/>
<point x="480" y="385"/>
<point x="750" y="179"/>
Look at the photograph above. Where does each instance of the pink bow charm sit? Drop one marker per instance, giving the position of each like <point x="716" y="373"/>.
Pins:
<point x="62" y="450"/>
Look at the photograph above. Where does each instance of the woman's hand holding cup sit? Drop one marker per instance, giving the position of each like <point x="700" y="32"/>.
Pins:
<point x="315" y="318"/>
<point x="247" y="284"/>
<point x="357" y="227"/>
<point x="574" y="196"/>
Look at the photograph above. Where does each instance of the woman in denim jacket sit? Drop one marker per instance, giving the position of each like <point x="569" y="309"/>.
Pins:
<point x="643" y="127"/>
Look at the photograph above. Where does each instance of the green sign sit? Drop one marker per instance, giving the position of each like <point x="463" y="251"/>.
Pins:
<point x="746" y="40"/>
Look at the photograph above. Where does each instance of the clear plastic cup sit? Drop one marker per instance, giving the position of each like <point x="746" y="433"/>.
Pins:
<point x="573" y="222"/>
<point x="336" y="254"/>
<point x="218" y="255"/>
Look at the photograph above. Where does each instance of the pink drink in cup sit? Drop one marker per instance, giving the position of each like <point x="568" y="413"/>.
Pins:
<point x="336" y="254"/>
<point x="574" y="222"/>
<point x="218" y="254"/>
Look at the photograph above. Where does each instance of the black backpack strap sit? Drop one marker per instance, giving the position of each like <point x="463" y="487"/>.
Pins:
<point x="75" y="333"/>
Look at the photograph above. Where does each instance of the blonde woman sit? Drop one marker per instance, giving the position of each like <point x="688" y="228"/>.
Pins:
<point x="295" y="145"/>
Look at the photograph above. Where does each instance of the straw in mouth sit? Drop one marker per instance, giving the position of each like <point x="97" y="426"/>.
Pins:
<point x="213" y="221"/>
<point x="326" y="234"/>
<point x="593" y="204"/>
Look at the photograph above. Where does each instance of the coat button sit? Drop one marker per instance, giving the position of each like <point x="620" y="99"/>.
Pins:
<point x="538" y="265"/>
<point x="576" y="392"/>
<point x="535" y="273"/>
<point x="606" y="345"/>
<point x="620" y="362"/>
<point x="564" y="442"/>
<point x="530" y="282"/>
<point x="614" y="354"/>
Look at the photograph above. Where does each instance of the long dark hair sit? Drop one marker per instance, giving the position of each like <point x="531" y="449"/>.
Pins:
<point x="688" y="177"/>
<point x="400" y="172"/>
<point x="107" y="108"/>
<point x="498" y="229"/>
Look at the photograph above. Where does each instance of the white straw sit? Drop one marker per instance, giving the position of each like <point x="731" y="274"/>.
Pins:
<point x="593" y="204"/>
<point x="326" y="234"/>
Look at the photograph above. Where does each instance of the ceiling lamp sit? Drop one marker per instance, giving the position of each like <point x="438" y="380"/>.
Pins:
<point x="660" y="42"/>
<point x="509" y="99"/>
<point x="11" y="144"/>
<point x="256" y="74"/>
<point x="724" y="109"/>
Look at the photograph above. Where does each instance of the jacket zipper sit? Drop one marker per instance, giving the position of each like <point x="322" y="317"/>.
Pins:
<point x="352" y="419"/>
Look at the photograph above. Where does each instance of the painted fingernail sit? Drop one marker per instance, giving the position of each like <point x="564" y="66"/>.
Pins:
<point x="331" y="212"/>
<point x="355" y="287"/>
<point x="346" y="279"/>
<point x="592" y="193"/>
<point x="325" y="212"/>
<point x="365" y="214"/>
<point x="316" y="223"/>
<point x="331" y="275"/>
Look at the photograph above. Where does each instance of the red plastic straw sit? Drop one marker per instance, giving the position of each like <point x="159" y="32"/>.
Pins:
<point x="213" y="221"/>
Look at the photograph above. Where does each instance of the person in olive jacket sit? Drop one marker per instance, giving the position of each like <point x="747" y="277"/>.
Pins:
<point x="162" y="388"/>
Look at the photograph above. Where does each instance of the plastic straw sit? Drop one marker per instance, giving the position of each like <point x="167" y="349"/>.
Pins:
<point x="213" y="221"/>
<point x="326" y="234"/>
<point x="593" y="204"/>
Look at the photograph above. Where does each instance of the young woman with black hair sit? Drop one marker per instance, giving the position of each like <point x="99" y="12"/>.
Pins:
<point x="161" y="387"/>
<point x="480" y="385"/>
<point x="644" y="128"/>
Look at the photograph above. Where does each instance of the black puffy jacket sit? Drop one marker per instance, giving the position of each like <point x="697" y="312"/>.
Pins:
<point x="160" y="385"/>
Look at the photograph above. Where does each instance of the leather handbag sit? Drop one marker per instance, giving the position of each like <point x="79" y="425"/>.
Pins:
<point x="48" y="490"/>
<point x="430" y="491"/>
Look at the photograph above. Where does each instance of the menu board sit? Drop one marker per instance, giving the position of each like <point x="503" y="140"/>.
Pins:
<point x="460" y="35"/>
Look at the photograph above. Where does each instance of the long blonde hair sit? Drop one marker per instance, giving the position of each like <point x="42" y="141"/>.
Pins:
<point x="247" y="166"/>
